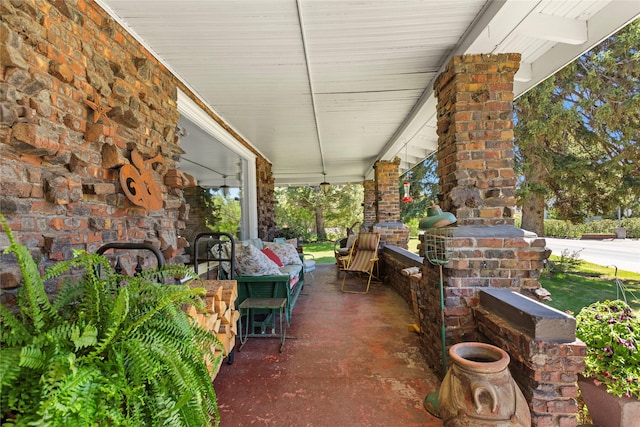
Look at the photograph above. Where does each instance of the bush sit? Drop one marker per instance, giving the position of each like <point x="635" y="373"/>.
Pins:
<point x="611" y="332"/>
<point x="565" y="229"/>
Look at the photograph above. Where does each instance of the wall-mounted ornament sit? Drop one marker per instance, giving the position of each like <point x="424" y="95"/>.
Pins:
<point x="100" y="128"/>
<point x="99" y="111"/>
<point x="138" y="182"/>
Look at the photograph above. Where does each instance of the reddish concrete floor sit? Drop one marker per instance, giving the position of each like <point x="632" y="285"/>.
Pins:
<point x="353" y="363"/>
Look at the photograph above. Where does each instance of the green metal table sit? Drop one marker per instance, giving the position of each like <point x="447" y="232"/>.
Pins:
<point x="272" y="304"/>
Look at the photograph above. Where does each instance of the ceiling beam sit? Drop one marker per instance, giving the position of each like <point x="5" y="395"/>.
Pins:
<point x="554" y="28"/>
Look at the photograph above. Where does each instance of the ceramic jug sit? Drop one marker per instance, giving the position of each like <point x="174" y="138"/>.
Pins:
<point x="478" y="389"/>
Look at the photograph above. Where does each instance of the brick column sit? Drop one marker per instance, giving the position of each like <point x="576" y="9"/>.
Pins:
<point x="386" y="181"/>
<point x="475" y="166"/>
<point x="370" y="202"/>
<point x="387" y="220"/>
<point x="475" y="145"/>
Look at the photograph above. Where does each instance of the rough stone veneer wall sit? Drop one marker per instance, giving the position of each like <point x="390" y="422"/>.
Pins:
<point x="59" y="159"/>
<point x="266" y="200"/>
<point x="475" y="155"/>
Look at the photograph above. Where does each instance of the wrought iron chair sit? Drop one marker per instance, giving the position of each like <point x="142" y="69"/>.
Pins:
<point x="362" y="259"/>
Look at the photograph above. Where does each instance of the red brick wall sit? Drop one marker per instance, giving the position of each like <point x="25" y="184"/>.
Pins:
<point x="546" y="371"/>
<point x="59" y="167"/>
<point x="477" y="181"/>
<point x="387" y="177"/>
<point x="370" y="202"/>
<point x="392" y="231"/>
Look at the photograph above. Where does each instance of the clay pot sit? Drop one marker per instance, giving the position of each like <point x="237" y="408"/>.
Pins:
<point x="478" y="389"/>
<point x="607" y="410"/>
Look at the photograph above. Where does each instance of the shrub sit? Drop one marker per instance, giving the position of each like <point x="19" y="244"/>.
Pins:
<point x="611" y="332"/>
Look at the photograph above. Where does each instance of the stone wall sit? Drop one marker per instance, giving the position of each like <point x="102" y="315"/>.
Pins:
<point x="81" y="101"/>
<point x="266" y="199"/>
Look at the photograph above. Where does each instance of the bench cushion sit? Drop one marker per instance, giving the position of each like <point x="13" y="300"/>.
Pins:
<point x="286" y="252"/>
<point x="250" y="261"/>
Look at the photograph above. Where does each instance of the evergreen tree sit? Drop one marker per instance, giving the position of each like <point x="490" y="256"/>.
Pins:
<point x="577" y="132"/>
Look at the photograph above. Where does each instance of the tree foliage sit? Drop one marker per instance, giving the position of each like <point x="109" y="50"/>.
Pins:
<point x="577" y="132"/>
<point x="225" y="214"/>
<point x="423" y="181"/>
<point x="310" y="212"/>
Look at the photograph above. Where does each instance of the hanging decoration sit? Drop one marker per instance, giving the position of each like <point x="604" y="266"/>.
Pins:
<point x="407" y="197"/>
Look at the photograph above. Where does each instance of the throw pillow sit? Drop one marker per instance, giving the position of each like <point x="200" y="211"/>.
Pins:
<point x="272" y="256"/>
<point x="250" y="261"/>
<point x="286" y="252"/>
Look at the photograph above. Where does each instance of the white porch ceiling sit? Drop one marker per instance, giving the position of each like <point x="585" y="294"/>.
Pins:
<point x="331" y="86"/>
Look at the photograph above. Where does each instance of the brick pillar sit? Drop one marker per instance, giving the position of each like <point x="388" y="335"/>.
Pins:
<point x="475" y="166"/>
<point x="386" y="181"/>
<point x="370" y="202"/>
<point x="387" y="219"/>
<point x="475" y="145"/>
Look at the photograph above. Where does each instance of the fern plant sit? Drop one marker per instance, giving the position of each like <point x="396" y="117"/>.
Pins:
<point x="106" y="350"/>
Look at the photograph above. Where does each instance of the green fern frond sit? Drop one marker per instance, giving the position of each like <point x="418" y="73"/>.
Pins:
<point x="12" y="330"/>
<point x="32" y="357"/>
<point x="89" y="336"/>
<point x="9" y="366"/>
<point x="32" y="298"/>
<point x="115" y="318"/>
<point x="108" y="350"/>
<point x="167" y="295"/>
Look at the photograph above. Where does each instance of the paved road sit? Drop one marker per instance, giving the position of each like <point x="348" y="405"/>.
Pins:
<point x="623" y="253"/>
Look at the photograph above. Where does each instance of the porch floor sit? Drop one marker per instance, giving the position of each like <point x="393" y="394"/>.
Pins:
<point x="353" y="362"/>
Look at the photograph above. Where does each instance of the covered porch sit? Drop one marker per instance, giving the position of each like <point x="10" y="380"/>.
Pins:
<point x="353" y="362"/>
<point x="93" y="88"/>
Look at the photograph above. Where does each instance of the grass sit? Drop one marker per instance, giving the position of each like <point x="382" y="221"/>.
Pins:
<point x="586" y="283"/>
<point x="578" y="286"/>
<point x="322" y="251"/>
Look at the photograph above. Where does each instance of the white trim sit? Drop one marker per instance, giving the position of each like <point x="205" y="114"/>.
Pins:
<point x="192" y="111"/>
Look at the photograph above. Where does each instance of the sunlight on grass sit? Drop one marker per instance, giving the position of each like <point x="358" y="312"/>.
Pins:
<point x="322" y="251"/>
<point x="588" y="283"/>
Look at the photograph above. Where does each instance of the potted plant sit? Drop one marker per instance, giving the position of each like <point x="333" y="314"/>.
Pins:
<point x="106" y="350"/>
<point x="611" y="383"/>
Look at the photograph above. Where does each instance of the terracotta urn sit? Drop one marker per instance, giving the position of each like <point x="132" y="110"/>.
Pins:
<point x="478" y="389"/>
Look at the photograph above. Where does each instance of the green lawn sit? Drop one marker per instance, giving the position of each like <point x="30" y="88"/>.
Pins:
<point x="588" y="283"/>
<point x="580" y="286"/>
